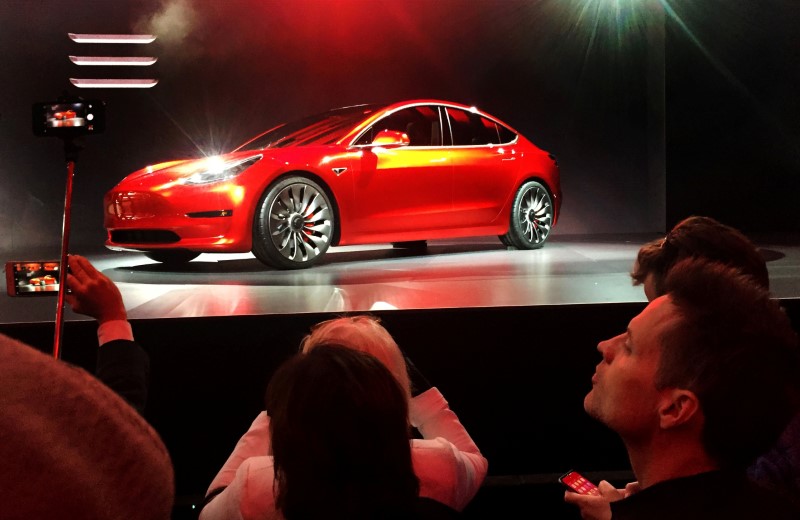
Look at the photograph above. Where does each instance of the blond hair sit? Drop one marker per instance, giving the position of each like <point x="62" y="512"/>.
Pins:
<point x="365" y="334"/>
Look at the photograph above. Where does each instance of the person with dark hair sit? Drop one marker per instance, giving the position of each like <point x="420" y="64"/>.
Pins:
<point x="446" y="460"/>
<point x="701" y="237"/>
<point x="357" y="466"/>
<point x="698" y="386"/>
<point x="338" y="446"/>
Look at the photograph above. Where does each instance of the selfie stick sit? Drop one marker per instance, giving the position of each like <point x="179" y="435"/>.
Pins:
<point x="71" y="155"/>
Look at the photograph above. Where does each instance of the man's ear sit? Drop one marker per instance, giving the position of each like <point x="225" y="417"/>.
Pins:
<point x="678" y="406"/>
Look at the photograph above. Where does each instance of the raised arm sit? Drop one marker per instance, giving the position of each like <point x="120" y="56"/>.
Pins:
<point x="122" y="365"/>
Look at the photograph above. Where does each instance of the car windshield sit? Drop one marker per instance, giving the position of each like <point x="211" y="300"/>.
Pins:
<point x="325" y="128"/>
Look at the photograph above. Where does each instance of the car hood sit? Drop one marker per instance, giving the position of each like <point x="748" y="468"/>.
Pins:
<point x="172" y="171"/>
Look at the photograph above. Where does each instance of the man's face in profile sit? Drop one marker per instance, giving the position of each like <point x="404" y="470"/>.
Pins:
<point x="623" y="394"/>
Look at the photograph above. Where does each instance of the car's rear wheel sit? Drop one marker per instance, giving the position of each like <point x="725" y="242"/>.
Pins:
<point x="294" y="224"/>
<point x="172" y="256"/>
<point x="531" y="217"/>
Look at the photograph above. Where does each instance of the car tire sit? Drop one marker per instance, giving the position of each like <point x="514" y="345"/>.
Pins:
<point x="172" y="256"/>
<point x="294" y="224"/>
<point x="531" y="217"/>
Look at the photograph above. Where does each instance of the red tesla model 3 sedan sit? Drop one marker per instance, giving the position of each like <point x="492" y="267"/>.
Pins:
<point x="401" y="173"/>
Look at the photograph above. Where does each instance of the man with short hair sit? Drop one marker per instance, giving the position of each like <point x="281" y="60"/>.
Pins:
<point x="703" y="380"/>
<point x="697" y="237"/>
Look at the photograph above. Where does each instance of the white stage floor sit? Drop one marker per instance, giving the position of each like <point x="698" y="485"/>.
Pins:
<point x="460" y="273"/>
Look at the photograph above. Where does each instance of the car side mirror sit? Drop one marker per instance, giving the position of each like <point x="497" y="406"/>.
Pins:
<point x="390" y="139"/>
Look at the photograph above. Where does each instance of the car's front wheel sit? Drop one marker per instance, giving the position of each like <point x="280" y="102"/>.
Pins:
<point x="294" y="224"/>
<point x="531" y="217"/>
<point x="172" y="256"/>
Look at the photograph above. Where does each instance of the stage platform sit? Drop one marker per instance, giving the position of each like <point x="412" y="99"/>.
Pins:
<point x="509" y="337"/>
<point x="466" y="273"/>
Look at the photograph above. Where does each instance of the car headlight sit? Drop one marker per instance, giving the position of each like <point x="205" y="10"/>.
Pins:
<point x="217" y="170"/>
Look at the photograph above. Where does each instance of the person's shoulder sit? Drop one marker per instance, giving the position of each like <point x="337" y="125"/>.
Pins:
<point x="99" y="436"/>
<point x="708" y="495"/>
<point x="766" y="503"/>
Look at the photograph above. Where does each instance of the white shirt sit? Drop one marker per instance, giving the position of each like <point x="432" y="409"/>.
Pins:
<point x="447" y="462"/>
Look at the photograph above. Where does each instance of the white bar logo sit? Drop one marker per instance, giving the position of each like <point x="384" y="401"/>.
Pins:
<point x="114" y="61"/>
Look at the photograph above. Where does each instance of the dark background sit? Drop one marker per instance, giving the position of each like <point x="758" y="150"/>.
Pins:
<point x="656" y="110"/>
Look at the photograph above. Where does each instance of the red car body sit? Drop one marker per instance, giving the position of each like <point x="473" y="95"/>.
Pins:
<point x="378" y="178"/>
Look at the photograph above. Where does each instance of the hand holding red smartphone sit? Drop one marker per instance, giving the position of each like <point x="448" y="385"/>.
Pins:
<point x="578" y="483"/>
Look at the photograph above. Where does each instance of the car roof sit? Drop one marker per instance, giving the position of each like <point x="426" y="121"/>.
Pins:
<point x="381" y="110"/>
<point x="389" y="108"/>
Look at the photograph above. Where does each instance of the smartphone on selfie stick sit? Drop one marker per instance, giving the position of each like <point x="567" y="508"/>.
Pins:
<point x="67" y="118"/>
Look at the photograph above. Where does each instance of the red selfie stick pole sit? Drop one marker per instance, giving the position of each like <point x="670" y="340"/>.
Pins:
<point x="71" y="152"/>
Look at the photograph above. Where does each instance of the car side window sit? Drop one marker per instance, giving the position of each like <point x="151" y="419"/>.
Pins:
<point x="471" y="129"/>
<point x="420" y="123"/>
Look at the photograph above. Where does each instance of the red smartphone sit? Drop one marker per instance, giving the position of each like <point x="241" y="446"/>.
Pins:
<point x="578" y="483"/>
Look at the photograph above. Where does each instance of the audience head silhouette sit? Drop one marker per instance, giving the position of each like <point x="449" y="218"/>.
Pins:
<point x="71" y="448"/>
<point x="340" y="437"/>
<point x="701" y="237"/>
<point x="365" y="334"/>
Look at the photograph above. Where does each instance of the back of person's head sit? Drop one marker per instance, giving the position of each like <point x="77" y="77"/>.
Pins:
<point x="365" y="334"/>
<point x="735" y="349"/>
<point x="70" y="448"/>
<point x="340" y="437"/>
<point x="700" y="237"/>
